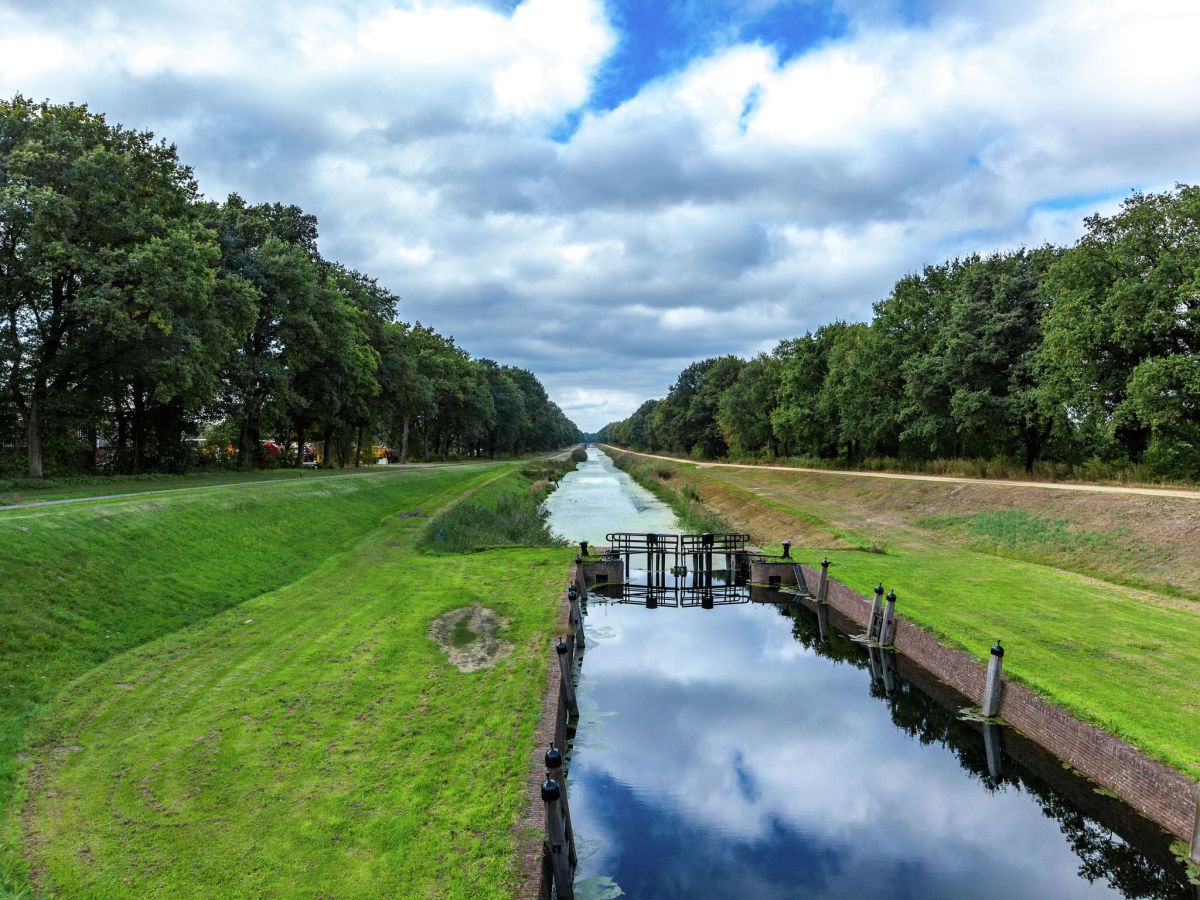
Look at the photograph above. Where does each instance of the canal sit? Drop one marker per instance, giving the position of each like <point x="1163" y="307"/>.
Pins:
<point x="740" y="752"/>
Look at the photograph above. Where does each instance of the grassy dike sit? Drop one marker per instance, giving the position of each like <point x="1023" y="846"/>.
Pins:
<point x="232" y="693"/>
<point x="1122" y="657"/>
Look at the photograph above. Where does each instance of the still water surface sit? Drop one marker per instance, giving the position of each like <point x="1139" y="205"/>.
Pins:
<point x="734" y="752"/>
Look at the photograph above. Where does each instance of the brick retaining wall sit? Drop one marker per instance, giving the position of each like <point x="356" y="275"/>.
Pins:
<point x="1152" y="788"/>
<point x="552" y="726"/>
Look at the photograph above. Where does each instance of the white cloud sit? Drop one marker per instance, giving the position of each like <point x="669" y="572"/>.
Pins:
<point x="736" y="201"/>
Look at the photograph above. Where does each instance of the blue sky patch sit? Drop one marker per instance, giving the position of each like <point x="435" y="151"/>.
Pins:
<point x="657" y="39"/>
<point x="1075" y="201"/>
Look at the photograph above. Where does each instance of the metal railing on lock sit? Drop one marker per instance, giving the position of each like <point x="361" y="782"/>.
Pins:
<point x="660" y="550"/>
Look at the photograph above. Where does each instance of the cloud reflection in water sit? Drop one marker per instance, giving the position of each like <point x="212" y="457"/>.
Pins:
<point x="718" y="756"/>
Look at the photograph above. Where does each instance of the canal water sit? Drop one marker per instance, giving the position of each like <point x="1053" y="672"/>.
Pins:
<point x="752" y="751"/>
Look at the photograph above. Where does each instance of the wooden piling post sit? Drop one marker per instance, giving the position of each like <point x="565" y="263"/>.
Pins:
<point x="823" y="584"/>
<point x="875" y="660"/>
<point x="556" y="772"/>
<point x="576" y="616"/>
<point x="568" y="684"/>
<point x="888" y="629"/>
<point x="556" y="841"/>
<point x="887" y="661"/>
<point x="876" y="618"/>
<point x="992" y="688"/>
<point x="992" y="749"/>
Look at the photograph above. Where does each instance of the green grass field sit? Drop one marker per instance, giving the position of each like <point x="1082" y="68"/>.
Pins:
<point x="1120" y="661"/>
<point x="23" y="490"/>
<point x="232" y="692"/>
<point x="1125" y="658"/>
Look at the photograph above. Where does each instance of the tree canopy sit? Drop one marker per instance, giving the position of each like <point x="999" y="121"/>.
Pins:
<point x="1063" y="355"/>
<point x="137" y="317"/>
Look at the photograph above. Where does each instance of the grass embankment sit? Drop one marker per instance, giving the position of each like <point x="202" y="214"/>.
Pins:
<point x="1123" y="657"/>
<point x="508" y="515"/>
<point x="34" y="490"/>
<point x="15" y="491"/>
<point x="1088" y="472"/>
<point x="681" y="496"/>
<point x="310" y="740"/>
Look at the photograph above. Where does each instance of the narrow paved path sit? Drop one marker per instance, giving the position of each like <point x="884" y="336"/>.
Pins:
<point x="948" y="479"/>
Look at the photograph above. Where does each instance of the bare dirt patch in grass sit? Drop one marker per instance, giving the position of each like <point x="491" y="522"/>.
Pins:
<point x="469" y="636"/>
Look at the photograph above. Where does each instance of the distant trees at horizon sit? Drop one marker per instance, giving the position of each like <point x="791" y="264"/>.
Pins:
<point x="136" y="314"/>
<point x="1068" y="356"/>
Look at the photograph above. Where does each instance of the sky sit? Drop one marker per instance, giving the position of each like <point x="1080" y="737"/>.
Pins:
<point x="604" y="192"/>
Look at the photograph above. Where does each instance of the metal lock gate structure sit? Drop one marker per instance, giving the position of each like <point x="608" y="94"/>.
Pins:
<point x="680" y="567"/>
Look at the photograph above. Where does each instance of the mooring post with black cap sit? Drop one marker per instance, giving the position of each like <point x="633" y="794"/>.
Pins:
<point x="787" y="549"/>
<point x="823" y="584"/>
<point x="568" y="685"/>
<point x="556" y="772"/>
<point x="888" y="629"/>
<point x="556" y="840"/>
<point x="583" y="548"/>
<point x="991" y="689"/>
<point x="876" y="618"/>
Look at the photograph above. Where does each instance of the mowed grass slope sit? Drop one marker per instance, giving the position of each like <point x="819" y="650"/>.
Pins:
<point x="26" y="490"/>
<point x="1125" y="658"/>
<point x="240" y="751"/>
<point x="79" y="584"/>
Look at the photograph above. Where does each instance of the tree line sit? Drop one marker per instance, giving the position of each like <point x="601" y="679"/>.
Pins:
<point x="138" y="316"/>
<point x="1052" y="355"/>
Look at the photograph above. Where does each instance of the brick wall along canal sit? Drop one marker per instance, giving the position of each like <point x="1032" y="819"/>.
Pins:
<point x="732" y="752"/>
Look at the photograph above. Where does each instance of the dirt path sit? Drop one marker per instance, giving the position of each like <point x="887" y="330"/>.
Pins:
<point x="945" y="479"/>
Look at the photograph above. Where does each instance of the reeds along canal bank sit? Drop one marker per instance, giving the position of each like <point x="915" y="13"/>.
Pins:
<point x="761" y="746"/>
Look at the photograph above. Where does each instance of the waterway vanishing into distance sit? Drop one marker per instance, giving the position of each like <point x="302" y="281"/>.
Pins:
<point x="738" y="752"/>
